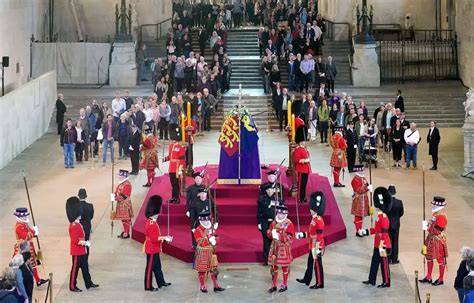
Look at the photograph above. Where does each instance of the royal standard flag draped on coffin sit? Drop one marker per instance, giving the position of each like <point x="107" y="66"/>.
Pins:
<point x="238" y="140"/>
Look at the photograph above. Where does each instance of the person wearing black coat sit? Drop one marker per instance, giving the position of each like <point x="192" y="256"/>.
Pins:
<point x="466" y="254"/>
<point x="433" y="140"/>
<point x="399" y="102"/>
<point x="87" y="215"/>
<point x="351" y="139"/>
<point x="277" y="99"/>
<point x="265" y="215"/>
<point x="27" y="272"/>
<point x="396" y="212"/>
<point x="134" y="147"/>
<point x="60" y="110"/>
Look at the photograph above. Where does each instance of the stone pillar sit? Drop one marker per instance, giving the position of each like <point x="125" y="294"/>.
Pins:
<point x="123" y="69"/>
<point x="366" y="69"/>
<point x="468" y="129"/>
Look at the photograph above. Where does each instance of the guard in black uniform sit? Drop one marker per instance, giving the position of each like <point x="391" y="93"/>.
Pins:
<point x="202" y="203"/>
<point x="396" y="212"/>
<point x="265" y="214"/>
<point x="272" y="176"/>
<point x="87" y="215"/>
<point x="191" y="199"/>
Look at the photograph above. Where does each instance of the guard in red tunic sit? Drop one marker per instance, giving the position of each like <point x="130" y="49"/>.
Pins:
<point x="317" y="205"/>
<point x="301" y="162"/>
<point x="149" y="156"/>
<point x="435" y="246"/>
<point x="123" y="210"/>
<point x="177" y="158"/>
<point x="77" y="246"/>
<point x="360" y="198"/>
<point x="338" y="157"/>
<point x="281" y="231"/>
<point x="382" y="244"/>
<point x="152" y="245"/>
<point x="23" y="232"/>
<point x="205" y="258"/>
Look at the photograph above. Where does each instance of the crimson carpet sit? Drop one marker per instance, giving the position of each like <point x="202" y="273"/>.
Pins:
<point x="240" y="240"/>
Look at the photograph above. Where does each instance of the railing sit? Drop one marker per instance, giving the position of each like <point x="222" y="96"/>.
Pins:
<point x="417" y="291"/>
<point x="49" y="291"/>
<point x="394" y="32"/>
<point x="158" y="28"/>
<point x="400" y="61"/>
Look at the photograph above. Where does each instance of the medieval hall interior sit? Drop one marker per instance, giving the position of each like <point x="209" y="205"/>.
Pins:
<point x="237" y="151"/>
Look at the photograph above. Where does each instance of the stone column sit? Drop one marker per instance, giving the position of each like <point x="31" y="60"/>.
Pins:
<point x="468" y="129"/>
<point x="366" y="69"/>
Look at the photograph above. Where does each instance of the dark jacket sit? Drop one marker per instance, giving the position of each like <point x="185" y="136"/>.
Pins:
<point x="105" y="129"/>
<point x="129" y="101"/>
<point x="86" y="217"/>
<point x="65" y="138"/>
<point x="351" y="138"/>
<point x="134" y="141"/>
<point x="264" y="210"/>
<point x="277" y="99"/>
<point x="60" y="110"/>
<point x="461" y="273"/>
<point x="395" y="213"/>
<point x="433" y="140"/>
<point x="28" y="280"/>
<point x="138" y="119"/>
<point x="400" y="104"/>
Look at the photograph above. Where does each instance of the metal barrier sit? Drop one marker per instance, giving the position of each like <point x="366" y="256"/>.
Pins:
<point x="417" y="60"/>
<point x="157" y="27"/>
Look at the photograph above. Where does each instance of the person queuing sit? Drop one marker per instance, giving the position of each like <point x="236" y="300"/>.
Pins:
<point x="134" y="147"/>
<point x="317" y="206"/>
<point x="152" y="245"/>
<point x="351" y="141"/>
<point x="78" y="246"/>
<point x="433" y="140"/>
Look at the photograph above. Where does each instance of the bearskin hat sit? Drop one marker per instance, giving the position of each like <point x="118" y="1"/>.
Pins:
<point x="153" y="206"/>
<point x="382" y="199"/>
<point x="317" y="202"/>
<point x="73" y="209"/>
<point x="175" y="133"/>
<point x="300" y="134"/>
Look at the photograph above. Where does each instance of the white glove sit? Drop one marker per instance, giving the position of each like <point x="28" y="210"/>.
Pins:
<point x="273" y="203"/>
<point x="370" y="187"/>
<point x="112" y="197"/>
<point x="355" y="146"/>
<point x="88" y="243"/>
<point x="382" y="251"/>
<point x="212" y="240"/>
<point x="424" y="225"/>
<point x="275" y="234"/>
<point x="299" y="235"/>
<point x="187" y="214"/>
<point x="216" y="225"/>
<point x="260" y="227"/>
<point x="36" y="230"/>
<point x="131" y="148"/>
<point x="193" y="229"/>
<point x="169" y="239"/>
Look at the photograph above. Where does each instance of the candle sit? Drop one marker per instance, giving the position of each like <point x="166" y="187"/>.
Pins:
<point x="293" y="130"/>
<point x="189" y="113"/>
<point x="183" y="133"/>
<point x="289" y="113"/>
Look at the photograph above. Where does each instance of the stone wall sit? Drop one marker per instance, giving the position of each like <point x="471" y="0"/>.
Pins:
<point x="19" y="19"/>
<point x="465" y="26"/>
<point x="97" y="18"/>
<point x="27" y="115"/>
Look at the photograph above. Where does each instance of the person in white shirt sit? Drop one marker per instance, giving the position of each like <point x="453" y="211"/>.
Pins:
<point x="118" y="106"/>
<point x="412" y="138"/>
<point x="148" y="115"/>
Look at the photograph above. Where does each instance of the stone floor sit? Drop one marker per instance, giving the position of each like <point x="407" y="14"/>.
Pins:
<point x="118" y="265"/>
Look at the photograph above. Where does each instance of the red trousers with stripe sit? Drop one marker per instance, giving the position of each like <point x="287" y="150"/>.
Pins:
<point x="79" y="262"/>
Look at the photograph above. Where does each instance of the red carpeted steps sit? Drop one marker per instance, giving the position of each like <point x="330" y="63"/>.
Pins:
<point x="240" y="240"/>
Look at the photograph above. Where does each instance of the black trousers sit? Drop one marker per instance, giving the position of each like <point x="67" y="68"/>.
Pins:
<point x="153" y="266"/>
<point x="237" y="19"/>
<point x="351" y="157"/>
<point x="193" y="221"/>
<point x="434" y="157"/>
<point x="266" y="241"/>
<point x="397" y="151"/>
<point x="323" y="129"/>
<point x="304" y="83"/>
<point x="302" y="182"/>
<point x="331" y="85"/>
<point x="318" y="270"/>
<point x="393" y="234"/>
<point x="60" y="123"/>
<point x="283" y="119"/>
<point x="207" y="120"/>
<point x="189" y="156"/>
<point x="384" y="267"/>
<point x="175" y="185"/>
<point x="135" y="159"/>
<point x="80" y="262"/>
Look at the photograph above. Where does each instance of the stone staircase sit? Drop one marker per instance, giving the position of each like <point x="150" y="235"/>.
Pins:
<point x="242" y="47"/>
<point x="259" y="113"/>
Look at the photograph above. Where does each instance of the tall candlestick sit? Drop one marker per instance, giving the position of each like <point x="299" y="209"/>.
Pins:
<point x="183" y="133"/>
<point x="289" y="113"/>
<point x="293" y="130"/>
<point x="189" y="113"/>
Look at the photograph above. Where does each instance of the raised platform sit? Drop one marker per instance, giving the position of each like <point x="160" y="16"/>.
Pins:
<point x="240" y="240"/>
